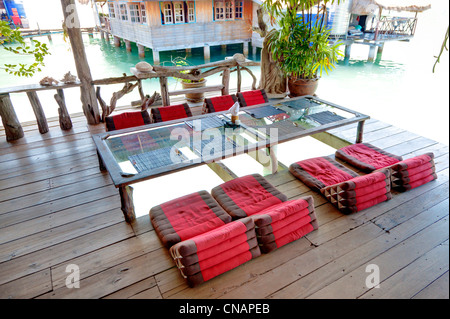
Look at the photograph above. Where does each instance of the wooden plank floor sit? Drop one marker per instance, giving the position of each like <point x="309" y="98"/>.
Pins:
<point x="58" y="209"/>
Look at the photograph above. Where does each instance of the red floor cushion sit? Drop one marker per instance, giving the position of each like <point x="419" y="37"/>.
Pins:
<point x="360" y="192"/>
<point x="366" y="157"/>
<point x="247" y="195"/>
<point x="126" y="120"/>
<point x="172" y="112"/>
<point x="254" y="97"/>
<point x="284" y="223"/>
<point x="219" y="103"/>
<point x="413" y="172"/>
<point x="210" y="254"/>
<point x="278" y="220"/>
<point x="319" y="172"/>
<point x="186" y="217"/>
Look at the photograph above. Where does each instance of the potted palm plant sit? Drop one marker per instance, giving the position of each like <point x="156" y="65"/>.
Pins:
<point x="300" y="42"/>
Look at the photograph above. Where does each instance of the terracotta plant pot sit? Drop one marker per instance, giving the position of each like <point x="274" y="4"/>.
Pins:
<point x="194" y="97"/>
<point x="299" y="87"/>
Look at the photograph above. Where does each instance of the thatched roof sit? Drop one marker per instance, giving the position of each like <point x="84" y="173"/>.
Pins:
<point x="370" y="6"/>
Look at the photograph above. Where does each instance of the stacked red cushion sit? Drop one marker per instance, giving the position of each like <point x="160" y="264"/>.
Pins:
<point x="186" y="217"/>
<point x="360" y="192"/>
<point x="284" y="223"/>
<point x="367" y="157"/>
<point x="278" y="220"/>
<point x="345" y="189"/>
<point x="208" y="255"/>
<point x="413" y="172"/>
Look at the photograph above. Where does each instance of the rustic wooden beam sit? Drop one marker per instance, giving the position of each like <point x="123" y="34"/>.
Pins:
<point x="12" y="126"/>
<point x="88" y="98"/>
<point x="164" y="91"/>
<point x="226" y="82"/>
<point x="38" y="112"/>
<point x="211" y="88"/>
<point x="65" y="123"/>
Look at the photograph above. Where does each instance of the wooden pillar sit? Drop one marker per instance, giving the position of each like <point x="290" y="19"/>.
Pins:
<point x="11" y="123"/>
<point x="49" y="36"/>
<point x="348" y="50"/>
<point x="372" y="52"/>
<point x="245" y="48"/>
<point x="226" y="82"/>
<point x="116" y="41"/>
<point x="141" y="50"/>
<point x="380" y="50"/>
<point x="88" y="97"/>
<point x="102" y="35"/>
<point x="164" y="91"/>
<point x="224" y="48"/>
<point x="38" y="112"/>
<point x="155" y="56"/>
<point x="127" y="45"/>
<point x="254" y="50"/>
<point x="107" y="36"/>
<point x="207" y="52"/>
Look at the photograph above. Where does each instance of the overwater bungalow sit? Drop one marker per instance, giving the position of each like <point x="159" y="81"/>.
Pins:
<point x="171" y="25"/>
<point x="366" y="218"/>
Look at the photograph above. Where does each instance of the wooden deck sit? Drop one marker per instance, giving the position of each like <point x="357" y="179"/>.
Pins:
<point x="57" y="208"/>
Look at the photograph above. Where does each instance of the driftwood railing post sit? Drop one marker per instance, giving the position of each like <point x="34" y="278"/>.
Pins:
<point x="38" y="112"/>
<point x="164" y="91"/>
<point x="65" y="123"/>
<point x="226" y="81"/>
<point x="88" y="97"/>
<point x="11" y="123"/>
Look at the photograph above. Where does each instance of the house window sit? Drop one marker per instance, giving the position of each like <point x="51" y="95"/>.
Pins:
<point x="112" y="10"/>
<point x="239" y="9"/>
<point x="167" y="13"/>
<point x="143" y="13"/>
<point x="138" y="13"/>
<point x="228" y="10"/>
<point x="219" y="8"/>
<point x="178" y="9"/>
<point x="191" y="11"/>
<point x="175" y="12"/>
<point x="123" y="11"/>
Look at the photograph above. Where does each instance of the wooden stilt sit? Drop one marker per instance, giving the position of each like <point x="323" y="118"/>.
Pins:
<point x="12" y="126"/>
<point x="38" y="112"/>
<point x="155" y="56"/>
<point x="207" y="53"/>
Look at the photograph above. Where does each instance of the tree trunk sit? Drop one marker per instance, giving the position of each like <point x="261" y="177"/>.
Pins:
<point x="272" y="79"/>
<point x="72" y="26"/>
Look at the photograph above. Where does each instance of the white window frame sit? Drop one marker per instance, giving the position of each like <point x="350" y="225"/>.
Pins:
<point x="135" y="12"/>
<point x="219" y="10"/>
<point x="239" y="9"/>
<point x="178" y="12"/>
<point x="123" y="11"/>
<point x="191" y="11"/>
<point x="167" y="8"/>
<point x="112" y="10"/>
<point x="229" y="10"/>
<point x="143" y="12"/>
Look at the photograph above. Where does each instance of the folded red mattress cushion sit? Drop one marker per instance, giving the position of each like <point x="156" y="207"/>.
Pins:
<point x="247" y="195"/>
<point x="220" y="103"/>
<point x="319" y="172"/>
<point x="126" y="120"/>
<point x="186" y="217"/>
<point x="284" y="223"/>
<point x="208" y="255"/>
<point x="172" y="112"/>
<point x="413" y="172"/>
<point x="360" y="192"/>
<point x="254" y="97"/>
<point x="366" y="157"/>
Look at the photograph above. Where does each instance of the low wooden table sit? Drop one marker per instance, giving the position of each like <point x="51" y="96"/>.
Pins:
<point x="136" y="154"/>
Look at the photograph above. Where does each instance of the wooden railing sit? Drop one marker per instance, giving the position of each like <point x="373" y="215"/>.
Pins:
<point x="396" y="26"/>
<point x="13" y="128"/>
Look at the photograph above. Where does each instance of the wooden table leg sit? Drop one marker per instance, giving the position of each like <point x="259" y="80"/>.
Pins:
<point x="360" y="132"/>
<point x="126" y="199"/>
<point x="100" y="163"/>
<point x="273" y="158"/>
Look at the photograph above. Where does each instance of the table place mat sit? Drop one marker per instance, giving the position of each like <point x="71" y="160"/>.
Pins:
<point x="264" y="111"/>
<point x="154" y="159"/>
<point x="325" y="117"/>
<point x="301" y="103"/>
<point x="205" y="123"/>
